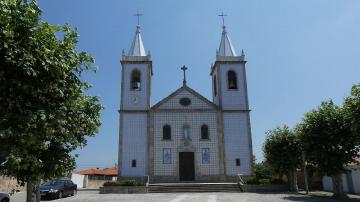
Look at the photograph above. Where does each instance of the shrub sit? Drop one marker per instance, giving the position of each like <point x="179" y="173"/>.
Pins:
<point x="124" y="183"/>
<point x="255" y="180"/>
<point x="252" y="180"/>
<point x="277" y="181"/>
<point x="264" y="181"/>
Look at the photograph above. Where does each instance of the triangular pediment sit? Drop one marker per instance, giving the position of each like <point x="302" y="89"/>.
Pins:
<point x="197" y="101"/>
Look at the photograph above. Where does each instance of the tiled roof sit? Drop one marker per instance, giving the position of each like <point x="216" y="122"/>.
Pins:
<point x="95" y="171"/>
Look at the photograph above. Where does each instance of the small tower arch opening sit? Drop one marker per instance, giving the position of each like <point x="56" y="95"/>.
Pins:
<point x="232" y="80"/>
<point x="135" y="80"/>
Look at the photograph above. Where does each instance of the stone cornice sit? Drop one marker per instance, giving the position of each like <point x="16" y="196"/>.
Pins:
<point x="137" y="60"/>
<point x="217" y="62"/>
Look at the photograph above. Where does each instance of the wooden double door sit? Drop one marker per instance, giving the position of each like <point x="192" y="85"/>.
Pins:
<point x="186" y="166"/>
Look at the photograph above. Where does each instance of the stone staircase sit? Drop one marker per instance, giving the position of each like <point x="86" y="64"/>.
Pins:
<point x="194" y="187"/>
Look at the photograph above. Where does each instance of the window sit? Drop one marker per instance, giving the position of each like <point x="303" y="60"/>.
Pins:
<point x="237" y="162"/>
<point x="135" y="80"/>
<point x="232" y="80"/>
<point x="205" y="155"/>
<point x="186" y="133"/>
<point x="185" y="101"/>
<point x="166" y="132"/>
<point x="133" y="163"/>
<point x="204" y="132"/>
<point x="166" y="156"/>
<point x="215" y="87"/>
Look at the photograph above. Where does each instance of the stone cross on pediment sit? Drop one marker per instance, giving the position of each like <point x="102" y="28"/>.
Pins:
<point x="184" y="68"/>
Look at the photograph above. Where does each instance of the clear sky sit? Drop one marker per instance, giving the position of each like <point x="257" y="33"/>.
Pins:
<point x="299" y="53"/>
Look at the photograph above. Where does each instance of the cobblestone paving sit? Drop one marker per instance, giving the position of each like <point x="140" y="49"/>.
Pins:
<point x="193" y="197"/>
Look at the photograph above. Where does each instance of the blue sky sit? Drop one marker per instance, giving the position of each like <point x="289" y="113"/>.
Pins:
<point x="299" y="53"/>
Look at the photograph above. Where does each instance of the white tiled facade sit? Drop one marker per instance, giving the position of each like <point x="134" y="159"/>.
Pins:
<point x="232" y="99"/>
<point x="236" y="143"/>
<point x="142" y="94"/>
<point x="177" y="120"/>
<point x="196" y="103"/>
<point x="134" y="138"/>
<point x="227" y="151"/>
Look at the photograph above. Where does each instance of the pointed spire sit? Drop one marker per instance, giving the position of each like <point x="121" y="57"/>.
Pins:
<point x="225" y="48"/>
<point x="137" y="46"/>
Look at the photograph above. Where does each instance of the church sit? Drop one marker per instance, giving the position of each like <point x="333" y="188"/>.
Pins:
<point x="184" y="137"/>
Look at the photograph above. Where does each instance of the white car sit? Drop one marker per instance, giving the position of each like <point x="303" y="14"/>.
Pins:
<point x="4" y="197"/>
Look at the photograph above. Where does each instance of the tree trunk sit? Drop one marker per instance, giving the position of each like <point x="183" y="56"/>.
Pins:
<point x="338" y="188"/>
<point x="37" y="191"/>
<point x="29" y="192"/>
<point x="292" y="178"/>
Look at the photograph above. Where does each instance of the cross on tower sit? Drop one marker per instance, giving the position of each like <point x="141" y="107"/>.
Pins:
<point x="138" y="16"/>
<point x="222" y="15"/>
<point x="184" y="68"/>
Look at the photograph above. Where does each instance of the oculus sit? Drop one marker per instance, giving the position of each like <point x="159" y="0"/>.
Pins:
<point x="185" y="101"/>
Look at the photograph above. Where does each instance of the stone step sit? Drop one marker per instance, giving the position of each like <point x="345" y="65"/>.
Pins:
<point x="194" y="187"/>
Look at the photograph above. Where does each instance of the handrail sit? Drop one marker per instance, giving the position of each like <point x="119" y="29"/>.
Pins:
<point x="147" y="180"/>
<point x="241" y="180"/>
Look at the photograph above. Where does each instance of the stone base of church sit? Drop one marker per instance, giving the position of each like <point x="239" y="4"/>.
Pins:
<point x="198" y="179"/>
<point x="175" y="179"/>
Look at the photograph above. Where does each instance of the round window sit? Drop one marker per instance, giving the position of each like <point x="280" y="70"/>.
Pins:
<point x="185" y="101"/>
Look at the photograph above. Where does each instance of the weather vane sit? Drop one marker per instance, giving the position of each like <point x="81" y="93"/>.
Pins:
<point x="222" y="15"/>
<point x="138" y="16"/>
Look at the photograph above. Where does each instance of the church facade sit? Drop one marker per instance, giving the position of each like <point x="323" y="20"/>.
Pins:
<point x="185" y="136"/>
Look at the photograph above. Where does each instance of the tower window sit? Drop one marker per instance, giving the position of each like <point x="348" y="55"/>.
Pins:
<point x="232" y="80"/>
<point x="166" y="132"/>
<point x="237" y="162"/>
<point x="135" y="80"/>
<point x="204" y="132"/>
<point x="133" y="163"/>
<point x="215" y="87"/>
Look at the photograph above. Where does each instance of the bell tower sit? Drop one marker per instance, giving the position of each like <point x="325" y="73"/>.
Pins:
<point x="230" y="94"/>
<point x="136" y="73"/>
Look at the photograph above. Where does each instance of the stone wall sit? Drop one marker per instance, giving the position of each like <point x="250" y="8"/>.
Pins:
<point x="95" y="184"/>
<point x="123" y="189"/>
<point x="7" y="184"/>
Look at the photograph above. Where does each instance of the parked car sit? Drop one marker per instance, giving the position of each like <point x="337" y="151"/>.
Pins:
<point x="58" y="189"/>
<point x="4" y="197"/>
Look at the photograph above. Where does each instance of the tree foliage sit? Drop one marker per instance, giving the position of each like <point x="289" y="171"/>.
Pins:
<point x="44" y="111"/>
<point x="327" y="138"/>
<point x="282" y="152"/>
<point x="352" y="112"/>
<point x="282" y="149"/>
<point x="330" y="138"/>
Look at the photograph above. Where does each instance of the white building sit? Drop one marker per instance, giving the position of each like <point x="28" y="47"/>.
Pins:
<point x="350" y="180"/>
<point x="185" y="137"/>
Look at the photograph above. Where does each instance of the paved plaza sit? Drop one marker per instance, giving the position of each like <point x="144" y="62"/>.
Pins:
<point x="94" y="196"/>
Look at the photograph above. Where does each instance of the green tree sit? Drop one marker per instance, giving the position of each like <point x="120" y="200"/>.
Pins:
<point x="44" y="111"/>
<point x="261" y="170"/>
<point x="352" y="111"/>
<point x="329" y="142"/>
<point x="282" y="152"/>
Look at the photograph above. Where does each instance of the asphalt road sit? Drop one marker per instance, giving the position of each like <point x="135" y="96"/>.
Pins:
<point x="94" y="196"/>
